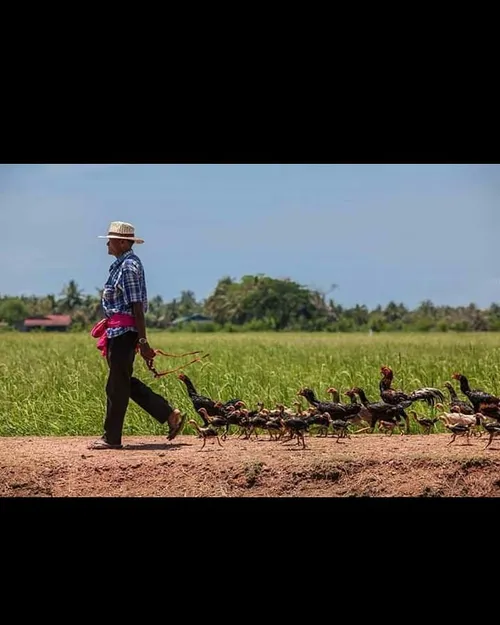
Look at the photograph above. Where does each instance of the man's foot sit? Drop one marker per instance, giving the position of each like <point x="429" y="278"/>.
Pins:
<point x="175" y="423"/>
<point x="102" y="443"/>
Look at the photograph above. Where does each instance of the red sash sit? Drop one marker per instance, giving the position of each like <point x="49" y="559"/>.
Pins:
<point x="118" y="320"/>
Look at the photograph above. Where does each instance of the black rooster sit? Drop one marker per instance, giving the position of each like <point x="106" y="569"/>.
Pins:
<point x="334" y="410"/>
<point x="456" y="404"/>
<point x="213" y="407"/>
<point x="381" y="410"/>
<point x="476" y="396"/>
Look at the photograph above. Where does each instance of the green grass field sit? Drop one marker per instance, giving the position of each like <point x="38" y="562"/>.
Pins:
<point x="54" y="384"/>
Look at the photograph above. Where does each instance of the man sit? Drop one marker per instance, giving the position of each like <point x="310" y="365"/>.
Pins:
<point x="124" y="301"/>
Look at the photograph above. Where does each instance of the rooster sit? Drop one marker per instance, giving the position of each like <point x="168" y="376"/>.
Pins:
<point x="490" y="410"/>
<point x="351" y="409"/>
<point x="391" y="396"/>
<point x="475" y="396"/>
<point x="458" y="405"/>
<point x="213" y="407"/>
<point x="334" y="410"/>
<point x="381" y="410"/>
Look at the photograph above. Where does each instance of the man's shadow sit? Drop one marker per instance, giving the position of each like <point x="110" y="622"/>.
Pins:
<point x="155" y="446"/>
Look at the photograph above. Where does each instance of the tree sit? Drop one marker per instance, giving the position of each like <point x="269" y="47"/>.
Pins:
<point x="218" y="305"/>
<point x="427" y="309"/>
<point x="359" y="315"/>
<point x="280" y="303"/>
<point x="188" y="304"/>
<point x="13" y="310"/>
<point x="47" y="305"/>
<point x="394" y="312"/>
<point x="72" y="297"/>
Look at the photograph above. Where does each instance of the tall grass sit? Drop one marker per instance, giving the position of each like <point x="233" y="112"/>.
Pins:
<point x="54" y="384"/>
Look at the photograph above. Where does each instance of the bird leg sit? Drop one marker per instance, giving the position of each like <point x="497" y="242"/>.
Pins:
<point x="253" y="430"/>
<point x="491" y="438"/>
<point x="290" y="437"/>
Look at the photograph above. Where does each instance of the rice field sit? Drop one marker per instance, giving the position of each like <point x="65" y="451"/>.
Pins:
<point x="54" y="384"/>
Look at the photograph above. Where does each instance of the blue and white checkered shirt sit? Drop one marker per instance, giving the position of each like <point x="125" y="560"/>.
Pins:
<point x="126" y="284"/>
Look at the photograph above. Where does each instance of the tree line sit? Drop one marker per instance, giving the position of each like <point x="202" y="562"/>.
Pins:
<point x="261" y="303"/>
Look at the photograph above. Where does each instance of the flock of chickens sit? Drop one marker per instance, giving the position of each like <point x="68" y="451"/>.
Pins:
<point x="478" y="413"/>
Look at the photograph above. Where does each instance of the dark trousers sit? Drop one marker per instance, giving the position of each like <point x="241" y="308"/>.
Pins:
<point x="121" y="386"/>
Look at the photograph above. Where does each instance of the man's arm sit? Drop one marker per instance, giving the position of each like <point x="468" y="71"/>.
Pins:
<point x="140" y="321"/>
<point x="132" y="295"/>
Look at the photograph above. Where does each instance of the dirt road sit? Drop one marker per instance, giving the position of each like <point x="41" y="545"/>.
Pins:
<point x="374" y="465"/>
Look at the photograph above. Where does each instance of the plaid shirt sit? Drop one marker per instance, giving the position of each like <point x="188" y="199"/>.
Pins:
<point x="126" y="284"/>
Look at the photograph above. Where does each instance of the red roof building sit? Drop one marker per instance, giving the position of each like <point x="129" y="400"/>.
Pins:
<point x="58" y="323"/>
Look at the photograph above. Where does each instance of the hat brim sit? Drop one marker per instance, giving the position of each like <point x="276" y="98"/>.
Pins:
<point x="117" y="236"/>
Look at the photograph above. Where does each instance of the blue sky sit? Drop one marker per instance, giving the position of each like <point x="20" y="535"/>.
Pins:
<point x="380" y="232"/>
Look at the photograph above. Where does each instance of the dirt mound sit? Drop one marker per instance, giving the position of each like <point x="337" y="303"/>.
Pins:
<point x="371" y="465"/>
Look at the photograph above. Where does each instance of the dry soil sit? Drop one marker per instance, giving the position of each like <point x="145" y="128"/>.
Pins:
<point x="368" y="465"/>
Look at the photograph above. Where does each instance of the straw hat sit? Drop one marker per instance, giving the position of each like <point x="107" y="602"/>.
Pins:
<point x="121" y="230"/>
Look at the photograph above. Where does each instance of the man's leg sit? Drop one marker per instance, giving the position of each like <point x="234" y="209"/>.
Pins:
<point x="121" y="354"/>
<point x="157" y="406"/>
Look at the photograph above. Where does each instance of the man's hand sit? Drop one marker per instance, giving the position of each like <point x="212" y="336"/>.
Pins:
<point x="147" y="352"/>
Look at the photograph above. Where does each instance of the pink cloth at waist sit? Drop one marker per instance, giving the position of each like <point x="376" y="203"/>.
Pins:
<point x="118" y="320"/>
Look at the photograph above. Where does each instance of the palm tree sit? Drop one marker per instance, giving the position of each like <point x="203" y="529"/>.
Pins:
<point x="72" y="297"/>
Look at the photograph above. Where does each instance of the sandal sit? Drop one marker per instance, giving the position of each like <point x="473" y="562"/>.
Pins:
<point x="175" y="428"/>
<point x="102" y="444"/>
